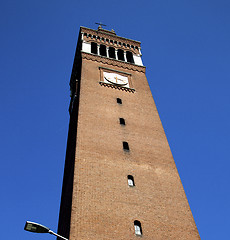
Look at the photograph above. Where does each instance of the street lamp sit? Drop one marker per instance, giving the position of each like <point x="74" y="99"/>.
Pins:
<point x="38" y="228"/>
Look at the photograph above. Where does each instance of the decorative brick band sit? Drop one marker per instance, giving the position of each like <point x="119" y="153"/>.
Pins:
<point x="117" y="87"/>
<point x="110" y="35"/>
<point x="112" y="62"/>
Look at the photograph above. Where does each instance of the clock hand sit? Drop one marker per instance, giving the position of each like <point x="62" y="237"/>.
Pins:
<point x="121" y="84"/>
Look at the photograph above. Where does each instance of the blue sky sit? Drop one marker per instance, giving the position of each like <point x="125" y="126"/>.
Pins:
<point x="186" y="51"/>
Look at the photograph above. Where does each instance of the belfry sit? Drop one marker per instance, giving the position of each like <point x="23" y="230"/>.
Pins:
<point x="120" y="179"/>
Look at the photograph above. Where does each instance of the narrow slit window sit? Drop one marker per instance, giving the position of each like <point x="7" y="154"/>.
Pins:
<point x="130" y="181"/>
<point x="120" y="55"/>
<point x="129" y="57"/>
<point x="122" y="121"/>
<point x="119" y="101"/>
<point x="137" y="228"/>
<point x="103" y="50"/>
<point x="112" y="52"/>
<point x="93" y="47"/>
<point x="125" y="146"/>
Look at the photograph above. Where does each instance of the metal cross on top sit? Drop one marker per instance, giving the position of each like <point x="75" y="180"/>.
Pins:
<point x="100" y="24"/>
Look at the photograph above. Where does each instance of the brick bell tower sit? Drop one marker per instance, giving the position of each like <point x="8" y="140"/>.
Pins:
<point x="120" y="179"/>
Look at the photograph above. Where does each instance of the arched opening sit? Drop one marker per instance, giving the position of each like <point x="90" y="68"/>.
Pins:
<point x="137" y="228"/>
<point x="112" y="52"/>
<point x="125" y="146"/>
<point x="120" y="55"/>
<point x="129" y="57"/>
<point x="119" y="101"/>
<point x="122" y="121"/>
<point x="103" y="50"/>
<point x="130" y="181"/>
<point x="93" y="47"/>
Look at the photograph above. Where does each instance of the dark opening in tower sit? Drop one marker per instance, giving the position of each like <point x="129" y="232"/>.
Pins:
<point x="125" y="146"/>
<point x="122" y="121"/>
<point x="137" y="228"/>
<point x="130" y="181"/>
<point x="103" y="50"/>
<point x="112" y="52"/>
<point x="120" y="55"/>
<point x="93" y="47"/>
<point x="129" y="57"/>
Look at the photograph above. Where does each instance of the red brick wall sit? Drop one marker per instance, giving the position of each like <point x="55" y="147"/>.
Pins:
<point x="103" y="205"/>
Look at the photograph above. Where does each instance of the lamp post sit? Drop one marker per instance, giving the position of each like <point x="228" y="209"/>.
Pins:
<point x="38" y="228"/>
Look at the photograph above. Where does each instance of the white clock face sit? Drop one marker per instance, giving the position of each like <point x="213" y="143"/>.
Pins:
<point x="117" y="79"/>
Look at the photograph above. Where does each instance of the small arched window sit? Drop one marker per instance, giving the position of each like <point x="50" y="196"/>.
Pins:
<point x="122" y="121"/>
<point x="120" y="55"/>
<point x="103" y="50"/>
<point x="131" y="181"/>
<point x="137" y="228"/>
<point x="112" y="52"/>
<point x="93" y="47"/>
<point x="129" y="57"/>
<point x="119" y="101"/>
<point x="125" y="146"/>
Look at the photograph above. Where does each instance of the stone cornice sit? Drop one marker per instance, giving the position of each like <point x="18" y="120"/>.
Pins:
<point x="112" y="62"/>
<point x="110" y="36"/>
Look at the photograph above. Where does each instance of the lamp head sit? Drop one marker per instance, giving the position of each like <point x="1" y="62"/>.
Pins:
<point x="35" y="227"/>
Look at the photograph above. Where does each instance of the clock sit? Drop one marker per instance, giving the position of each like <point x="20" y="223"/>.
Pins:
<point x="116" y="79"/>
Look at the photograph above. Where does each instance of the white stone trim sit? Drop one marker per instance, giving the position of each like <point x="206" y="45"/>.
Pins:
<point x="137" y="60"/>
<point x="86" y="47"/>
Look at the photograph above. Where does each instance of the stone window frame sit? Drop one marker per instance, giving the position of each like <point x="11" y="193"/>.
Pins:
<point x="110" y="70"/>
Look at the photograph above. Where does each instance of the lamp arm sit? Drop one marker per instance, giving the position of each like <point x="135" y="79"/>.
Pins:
<point x="57" y="235"/>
